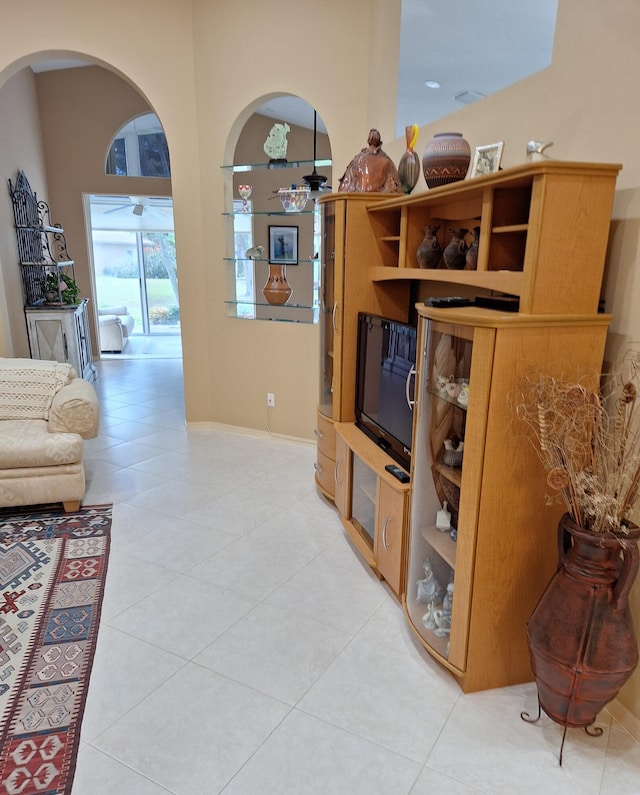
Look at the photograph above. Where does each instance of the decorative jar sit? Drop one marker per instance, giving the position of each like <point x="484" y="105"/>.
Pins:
<point x="445" y="159"/>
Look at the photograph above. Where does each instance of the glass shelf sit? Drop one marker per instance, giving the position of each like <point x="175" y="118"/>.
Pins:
<point x="271" y="306"/>
<point x="294" y="263"/>
<point x="236" y="169"/>
<point x="268" y="212"/>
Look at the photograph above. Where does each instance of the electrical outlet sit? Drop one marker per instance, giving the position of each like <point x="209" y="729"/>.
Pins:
<point x="271" y="399"/>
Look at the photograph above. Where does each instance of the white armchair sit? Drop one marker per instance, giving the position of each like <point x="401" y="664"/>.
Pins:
<point x="115" y="325"/>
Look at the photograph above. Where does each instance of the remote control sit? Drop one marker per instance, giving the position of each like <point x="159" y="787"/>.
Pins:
<point x="398" y="473"/>
<point x="449" y="301"/>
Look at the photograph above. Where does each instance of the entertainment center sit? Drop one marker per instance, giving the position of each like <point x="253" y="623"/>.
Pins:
<point x="468" y="544"/>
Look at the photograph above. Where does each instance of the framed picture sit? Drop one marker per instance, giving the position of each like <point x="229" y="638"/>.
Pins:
<point x="486" y="159"/>
<point x="283" y="244"/>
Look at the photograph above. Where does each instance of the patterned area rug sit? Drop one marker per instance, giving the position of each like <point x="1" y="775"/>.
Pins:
<point x="52" y="573"/>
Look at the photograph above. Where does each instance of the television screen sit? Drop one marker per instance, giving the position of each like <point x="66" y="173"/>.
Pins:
<point x="386" y="357"/>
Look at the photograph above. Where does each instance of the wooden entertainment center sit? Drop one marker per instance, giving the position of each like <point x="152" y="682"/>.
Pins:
<point x="543" y="235"/>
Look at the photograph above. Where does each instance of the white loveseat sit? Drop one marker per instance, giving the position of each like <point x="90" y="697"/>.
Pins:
<point x="115" y="324"/>
<point x="45" y="413"/>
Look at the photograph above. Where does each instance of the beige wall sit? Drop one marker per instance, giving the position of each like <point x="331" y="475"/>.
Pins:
<point x="21" y="149"/>
<point x="208" y="65"/>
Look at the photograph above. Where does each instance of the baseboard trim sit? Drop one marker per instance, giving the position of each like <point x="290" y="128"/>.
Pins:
<point x="626" y="719"/>
<point x="221" y="426"/>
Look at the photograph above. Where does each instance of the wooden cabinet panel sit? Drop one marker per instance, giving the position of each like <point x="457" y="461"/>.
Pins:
<point x="389" y="547"/>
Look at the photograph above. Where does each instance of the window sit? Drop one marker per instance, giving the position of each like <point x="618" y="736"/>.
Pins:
<point x="139" y="149"/>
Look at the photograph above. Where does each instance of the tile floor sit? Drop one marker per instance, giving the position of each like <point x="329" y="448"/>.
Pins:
<point x="245" y="650"/>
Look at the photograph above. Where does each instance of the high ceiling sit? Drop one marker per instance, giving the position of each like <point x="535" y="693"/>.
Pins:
<point x="470" y="48"/>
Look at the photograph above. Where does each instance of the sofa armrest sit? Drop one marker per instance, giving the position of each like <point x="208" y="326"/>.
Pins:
<point x="75" y="409"/>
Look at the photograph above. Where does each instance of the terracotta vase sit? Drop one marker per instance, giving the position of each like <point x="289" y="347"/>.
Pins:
<point x="277" y="290"/>
<point x="445" y="159"/>
<point x="455" y="253"/>
<point x="429" y="252"/>
<point x="471" y="257"/>
<point x="581" y="637"/>
<point x="409" y="165"/>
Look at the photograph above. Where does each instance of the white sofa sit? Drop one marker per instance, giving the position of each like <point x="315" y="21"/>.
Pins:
<point x="115" y="324"/>
<point x="45" y="413"/>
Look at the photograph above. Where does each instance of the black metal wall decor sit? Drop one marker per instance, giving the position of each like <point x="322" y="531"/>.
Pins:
<point x="45" y="265"/>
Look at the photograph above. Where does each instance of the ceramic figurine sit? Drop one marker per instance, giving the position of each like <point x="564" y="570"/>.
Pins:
<point x="371" y="170"/>
<point x="463" y="394"/>
<point x="276" y="144"/>
<point x="443" y="519"/>
<point x="452" y="456"/>
<point x="443" y="617"/>
<point x="535" y="150"/>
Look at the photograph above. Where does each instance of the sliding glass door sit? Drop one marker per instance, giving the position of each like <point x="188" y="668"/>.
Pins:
<point x="134" y="260"/>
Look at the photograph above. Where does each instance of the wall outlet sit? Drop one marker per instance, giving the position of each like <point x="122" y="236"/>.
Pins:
<point x="271" y="399"/>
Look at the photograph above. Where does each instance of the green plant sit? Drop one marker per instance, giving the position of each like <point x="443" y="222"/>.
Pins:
<point x="63" y="285"/>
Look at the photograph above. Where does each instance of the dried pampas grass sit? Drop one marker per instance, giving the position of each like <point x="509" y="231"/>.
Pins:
<point x="589" y="441"/>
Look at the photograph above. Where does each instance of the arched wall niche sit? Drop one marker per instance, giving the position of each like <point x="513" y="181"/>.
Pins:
<point x="245" y="146"/>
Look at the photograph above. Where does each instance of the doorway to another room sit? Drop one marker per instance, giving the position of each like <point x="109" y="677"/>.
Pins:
<point x="135" y="275"/>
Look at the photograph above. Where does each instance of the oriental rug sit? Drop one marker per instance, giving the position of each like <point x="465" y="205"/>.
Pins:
<point x="52" y="575"/>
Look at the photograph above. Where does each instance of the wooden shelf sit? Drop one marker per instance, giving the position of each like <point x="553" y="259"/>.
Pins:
<point x="442" y="543"/>
<point x="543" y="233"/>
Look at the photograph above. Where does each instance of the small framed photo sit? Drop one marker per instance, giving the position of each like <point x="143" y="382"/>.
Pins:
<point x="486" y="159"/>
<point x="283" y="245"/>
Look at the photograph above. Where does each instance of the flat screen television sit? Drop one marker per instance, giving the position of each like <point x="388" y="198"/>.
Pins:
<point x="386" y="358"/>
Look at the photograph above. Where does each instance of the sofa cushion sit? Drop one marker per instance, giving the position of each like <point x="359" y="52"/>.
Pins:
<point x="28" y="443"/>
<point x="27" y="387"/>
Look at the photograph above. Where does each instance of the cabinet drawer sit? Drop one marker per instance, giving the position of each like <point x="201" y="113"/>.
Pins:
<point x="325" y="471"/>
<point x="325" y="433"/>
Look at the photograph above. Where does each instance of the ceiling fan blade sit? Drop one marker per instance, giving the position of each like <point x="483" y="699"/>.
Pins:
<point x="115" y="209"/>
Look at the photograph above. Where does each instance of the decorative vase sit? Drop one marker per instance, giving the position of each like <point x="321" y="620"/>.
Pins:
<point x="471" y="259"/>
<point x="429" y="251"/>
<point x="445" y="159"/>
<point x="582" y="643"/>
<point x="455" y="254"/>
<point x="409" y="165"/>
<point x="277" y="290"/>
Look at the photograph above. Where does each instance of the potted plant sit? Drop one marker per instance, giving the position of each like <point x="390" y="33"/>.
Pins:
<point x="59" y="288"/>
<point x="581" y="637"/>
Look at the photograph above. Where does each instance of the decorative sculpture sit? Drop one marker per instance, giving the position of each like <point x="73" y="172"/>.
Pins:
<point x="371" y="170"/>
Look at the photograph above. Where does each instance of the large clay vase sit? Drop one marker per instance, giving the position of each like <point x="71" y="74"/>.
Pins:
<point x="445" y="159"/>
<point x="581" y="637"/>
<point x="409" y="165"/>
<point x="455" y="254"/>
<point x="429" y="251"/>
<point x="277" y="290"/>
<point x="471" y="258"/>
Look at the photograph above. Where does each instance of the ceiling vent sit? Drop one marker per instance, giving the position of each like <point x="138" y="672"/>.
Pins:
<point x="467" y="97"/>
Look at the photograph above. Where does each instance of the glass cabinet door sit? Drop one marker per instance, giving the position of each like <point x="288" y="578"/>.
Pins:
<point x="327" y="309"/>
<point x="363" y="499"/>
<point x="438" y="461"/>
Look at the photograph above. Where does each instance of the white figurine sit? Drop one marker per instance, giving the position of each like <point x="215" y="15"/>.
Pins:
<point x="535" y="150"/>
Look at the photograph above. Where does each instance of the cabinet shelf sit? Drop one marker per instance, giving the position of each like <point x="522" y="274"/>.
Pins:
<point x="442" y="543"/>
<point x="500" y="230"/>
<point x="508" y="282"/>
<point x="453" y="474"/>
<point x="529" y="218"/>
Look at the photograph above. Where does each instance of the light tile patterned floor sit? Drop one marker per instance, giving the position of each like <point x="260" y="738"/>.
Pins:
<point x="244" y="648"/>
